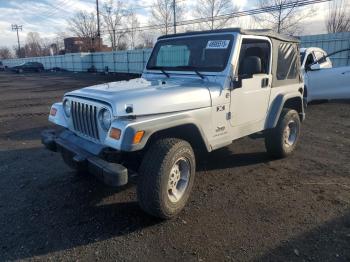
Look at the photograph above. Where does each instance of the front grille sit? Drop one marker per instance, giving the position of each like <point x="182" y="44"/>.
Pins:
<point x="84" y="118"/>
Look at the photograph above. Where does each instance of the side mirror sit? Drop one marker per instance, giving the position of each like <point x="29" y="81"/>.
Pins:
<point x="236" y="82"/>
<point x="315" y="67"/>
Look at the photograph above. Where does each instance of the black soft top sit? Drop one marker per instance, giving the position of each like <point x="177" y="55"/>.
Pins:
<point x="259" y="32"/>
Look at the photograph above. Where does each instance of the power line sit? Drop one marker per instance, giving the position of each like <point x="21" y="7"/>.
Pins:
<point x="59" y="7"/>
<point x="228" y="16"/>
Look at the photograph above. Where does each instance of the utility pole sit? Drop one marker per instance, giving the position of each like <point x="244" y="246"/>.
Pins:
<point x="174" y="10"/>
<point x="16" y="28"/>
<point x="98" y="26"/>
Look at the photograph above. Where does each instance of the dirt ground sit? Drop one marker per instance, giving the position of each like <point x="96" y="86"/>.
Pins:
<point x="244" y="206"/>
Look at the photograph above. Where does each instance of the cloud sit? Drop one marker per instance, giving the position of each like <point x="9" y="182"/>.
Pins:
<point x="43" y="16"/>
<point x="49" y="17"/>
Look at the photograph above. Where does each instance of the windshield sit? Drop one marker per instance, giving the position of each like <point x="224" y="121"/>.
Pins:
<point x="201" y="53"/>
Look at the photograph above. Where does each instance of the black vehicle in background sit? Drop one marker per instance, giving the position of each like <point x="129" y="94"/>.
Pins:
<point x="28" y="67"/>
<point x="2" y="67"/>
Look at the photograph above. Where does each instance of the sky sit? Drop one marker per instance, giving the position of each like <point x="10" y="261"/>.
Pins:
<point x="49" y="17"/>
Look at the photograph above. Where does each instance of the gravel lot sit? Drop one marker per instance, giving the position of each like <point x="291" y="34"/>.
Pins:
<point x="244" y="207"/>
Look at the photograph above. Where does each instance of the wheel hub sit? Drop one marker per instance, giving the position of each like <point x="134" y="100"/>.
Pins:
<point x="290" y="133"/>
<point x="178" y="179"/>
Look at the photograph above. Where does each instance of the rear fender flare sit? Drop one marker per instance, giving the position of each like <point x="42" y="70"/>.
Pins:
<point x="278" y="104"/>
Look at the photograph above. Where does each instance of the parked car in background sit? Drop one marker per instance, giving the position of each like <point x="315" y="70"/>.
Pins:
<point x="2" y="67"/>
<point x="322" y="80"/>
<point x="28" y="67"/>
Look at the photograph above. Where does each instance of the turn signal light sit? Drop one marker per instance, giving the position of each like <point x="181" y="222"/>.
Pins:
<point x="115" y="133"/>
<point x="138" y="137"/>
<point x="53" y="111"/>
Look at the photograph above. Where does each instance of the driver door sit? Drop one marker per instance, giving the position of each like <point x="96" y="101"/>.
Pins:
<point x="249" y="103"/>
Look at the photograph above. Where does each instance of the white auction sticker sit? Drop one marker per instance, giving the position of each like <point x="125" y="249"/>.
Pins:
<point x="217" y="44"/>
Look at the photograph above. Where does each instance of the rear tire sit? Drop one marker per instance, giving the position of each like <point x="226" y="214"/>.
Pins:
<point x="166" y="177"/>
<point x="282" y="140"/>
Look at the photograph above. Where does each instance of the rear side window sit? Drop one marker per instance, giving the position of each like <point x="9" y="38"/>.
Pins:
<point x="287" y="62"/>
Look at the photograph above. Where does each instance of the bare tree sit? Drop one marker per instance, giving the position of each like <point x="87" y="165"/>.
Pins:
<point x="47" y="47"/>
<point x="58" y="42"/>
<point x="33" y="44"/>
<point x="113" y="16"/>
<point x="19" y="53"/>
<point x="146" y="40"/>
<point x="282" y="19"/>
<point x="5" y="53"/>
<point x="338" y="19"/>
<point x="163" y="14"/>
<point x="211" y="9"/>
<point x="84" y="26"/>
<point x="133" y="24"/>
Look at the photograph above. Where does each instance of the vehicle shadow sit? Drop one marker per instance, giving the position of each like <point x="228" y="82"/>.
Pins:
<point x="46" y="207"/>
<point x="225" y="158"/>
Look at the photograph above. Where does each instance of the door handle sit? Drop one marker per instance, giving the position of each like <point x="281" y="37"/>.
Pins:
<point x="346" y="72"/>
<point x="264" y="82"/>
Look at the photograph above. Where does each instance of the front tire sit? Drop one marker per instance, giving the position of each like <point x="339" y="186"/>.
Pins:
<point x="166" y="177"/>
<point x="282" y="140"/>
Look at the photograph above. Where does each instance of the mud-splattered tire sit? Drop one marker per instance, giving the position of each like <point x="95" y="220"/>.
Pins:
<point x="282" y="140"/>
<point x="166" y="177"/>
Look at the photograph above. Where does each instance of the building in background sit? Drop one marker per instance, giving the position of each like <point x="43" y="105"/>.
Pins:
<point x="86" y="44"/>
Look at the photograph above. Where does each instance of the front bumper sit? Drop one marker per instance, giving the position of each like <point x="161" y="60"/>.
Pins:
<point x="85" y="155"/>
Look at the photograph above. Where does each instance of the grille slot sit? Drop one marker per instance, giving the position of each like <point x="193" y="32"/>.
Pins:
<point x="84" y="118"/>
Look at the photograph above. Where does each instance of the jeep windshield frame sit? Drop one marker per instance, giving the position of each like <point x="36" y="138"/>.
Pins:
<point x="198" y="53"/>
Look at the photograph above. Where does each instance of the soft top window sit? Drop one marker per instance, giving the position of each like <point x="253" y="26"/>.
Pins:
<point x="287" y="64"/>
<point x="203" y="53"/>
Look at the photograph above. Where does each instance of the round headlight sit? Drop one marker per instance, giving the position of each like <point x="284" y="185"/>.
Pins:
<point x="105" y="119"/>
<point x="67" y="107"/>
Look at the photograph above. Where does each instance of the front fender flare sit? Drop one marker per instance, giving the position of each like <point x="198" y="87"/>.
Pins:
<point x="155" y="124"/>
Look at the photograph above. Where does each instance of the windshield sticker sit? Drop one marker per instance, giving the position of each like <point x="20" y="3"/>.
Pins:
<point x="217" y="44"/>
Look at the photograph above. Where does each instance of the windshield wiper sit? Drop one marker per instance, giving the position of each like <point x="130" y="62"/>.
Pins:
<point x="161" y="69"/>
<point x="192" y="68"/>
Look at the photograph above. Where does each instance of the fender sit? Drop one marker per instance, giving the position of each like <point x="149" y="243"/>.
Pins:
<point x="277" y="106"/>
<point x="153" y="124"/>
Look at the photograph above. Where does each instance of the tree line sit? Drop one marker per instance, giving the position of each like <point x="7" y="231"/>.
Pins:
<point x="120" y="24"/>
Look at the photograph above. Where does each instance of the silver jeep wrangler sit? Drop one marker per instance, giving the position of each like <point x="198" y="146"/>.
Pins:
<point x="199" y="92"/>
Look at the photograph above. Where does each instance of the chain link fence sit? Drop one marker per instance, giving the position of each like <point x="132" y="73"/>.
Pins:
<point x="134" y="61"/>
<point x="331" y="43"/>
<point x="131" y="61"/>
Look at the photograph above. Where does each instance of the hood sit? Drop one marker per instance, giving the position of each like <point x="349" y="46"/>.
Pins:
<point x="149" y="97"/>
